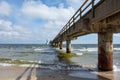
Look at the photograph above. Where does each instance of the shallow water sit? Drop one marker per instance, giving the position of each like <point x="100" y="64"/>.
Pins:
<point x="35" y="53"/>
<point x="46" y="55"/>
<point x="84" y="74"/>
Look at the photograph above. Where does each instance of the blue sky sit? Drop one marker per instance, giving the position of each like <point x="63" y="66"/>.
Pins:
<point x="35" y="21"/>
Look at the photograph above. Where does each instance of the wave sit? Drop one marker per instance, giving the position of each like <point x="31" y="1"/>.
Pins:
<point x="21" y="65"/>
<point x="116" y="49"/>
<point x="89" y="49"/>
<point x="72" y="67"/>
<point x="67" y="67"/>
<point x="79" y="54"/>
<point x="43" y="50"/>
<point x="6" y="64"/>
<point x="115" y="68"/>
<point x="92" y="49"/>
<point x="86" y="50"/>
<point x="75" y="67"/>
<point x="12" y="62"/>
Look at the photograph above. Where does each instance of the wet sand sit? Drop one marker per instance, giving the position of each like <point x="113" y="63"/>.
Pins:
<point x="36" y="73"/>
<point x="17" y="73"/>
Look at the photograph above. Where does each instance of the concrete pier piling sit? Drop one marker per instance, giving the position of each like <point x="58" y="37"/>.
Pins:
<point x="56" y="45"/>
<point x="105" y="51"/>
<point x="60" y="45"/>
<point x="68" y="46"/>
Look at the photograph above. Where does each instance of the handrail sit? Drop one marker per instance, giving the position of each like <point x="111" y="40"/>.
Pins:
<point x="78" y="14"/>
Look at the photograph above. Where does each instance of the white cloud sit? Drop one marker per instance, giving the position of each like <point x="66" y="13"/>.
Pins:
<point x="117" y="35"/>
<point x="5" y="25"/>
<point x="10" y="31"/>
<point x="39" y="10"/>
<point x="55" y="17"/>
<point x="8" y="34"/>
<point x="54" y="25"/>
<point x="75" y="3"/>
<point x="21" y="29"/>
<point x="5" y="9"/>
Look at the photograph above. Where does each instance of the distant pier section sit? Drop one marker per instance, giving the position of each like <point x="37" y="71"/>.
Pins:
<point x="102" y="18"/>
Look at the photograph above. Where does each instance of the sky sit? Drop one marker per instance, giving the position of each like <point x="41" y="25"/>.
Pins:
<point x="36" y="21"/>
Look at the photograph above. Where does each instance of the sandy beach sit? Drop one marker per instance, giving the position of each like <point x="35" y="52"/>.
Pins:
<point x="36" y="73"/>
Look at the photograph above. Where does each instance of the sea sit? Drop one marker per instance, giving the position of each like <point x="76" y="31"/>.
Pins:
<point x="47" y="56"/>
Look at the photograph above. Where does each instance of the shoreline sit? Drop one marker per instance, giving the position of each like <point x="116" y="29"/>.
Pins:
<point x="37" y="73"/>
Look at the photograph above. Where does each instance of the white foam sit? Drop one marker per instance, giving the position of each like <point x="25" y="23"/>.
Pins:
<point x="37" y="49"/>
<point x="92" y="49"/>
<point x="6" y="64"/>
<point x="116" y="68"/>
<point x="28" y="65"/>
<point x="43" y="50"/>
<point x="24" y="65"/>
<point x="116" y="49"/>
<point x="32" y="61"/>
<point x="79" y="54"/>
<point x="87" y="49"/>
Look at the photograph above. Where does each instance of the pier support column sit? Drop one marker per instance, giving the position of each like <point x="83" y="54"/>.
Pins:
<point x="68" y="46"/>
<point x="105" y="51"/>
<point x="56" y="45"/>
<point x="60" y="45"/>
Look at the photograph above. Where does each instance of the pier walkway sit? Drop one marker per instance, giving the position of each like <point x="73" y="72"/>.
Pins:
<point x="102" y="18"/>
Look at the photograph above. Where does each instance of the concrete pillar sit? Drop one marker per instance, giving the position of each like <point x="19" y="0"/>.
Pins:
<point x="60" y="45"/>
<point x="56" y="45"/>
<point x="105" y="51"/>
<point x="68" y="46"/>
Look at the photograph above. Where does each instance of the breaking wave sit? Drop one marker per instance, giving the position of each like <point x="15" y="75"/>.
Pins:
<point x="43" y="50"/>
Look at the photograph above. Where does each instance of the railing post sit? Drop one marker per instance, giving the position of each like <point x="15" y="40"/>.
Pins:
<point x="81" y="7"/>
<point x="73" y="20"/>
<point x="68" y="27"/>
<point x="68" y="24"/>
<point x="80" y="13"/>
<point x="93" y="1"/>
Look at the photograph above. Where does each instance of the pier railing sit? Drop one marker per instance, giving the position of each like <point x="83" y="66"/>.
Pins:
<point x="77" y="16"/>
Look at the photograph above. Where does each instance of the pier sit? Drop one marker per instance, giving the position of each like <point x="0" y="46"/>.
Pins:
<point x="102" y="18"/>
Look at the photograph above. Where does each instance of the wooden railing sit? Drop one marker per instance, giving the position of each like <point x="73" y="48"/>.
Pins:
<point x="77" y="16"/>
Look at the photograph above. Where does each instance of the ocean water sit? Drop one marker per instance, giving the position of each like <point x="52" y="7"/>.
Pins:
<point x="88" y="55"/>
<point x="28" y="52"/>
<point x="47" y="55"/>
